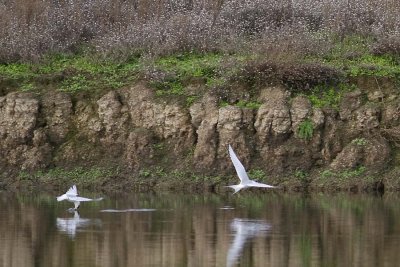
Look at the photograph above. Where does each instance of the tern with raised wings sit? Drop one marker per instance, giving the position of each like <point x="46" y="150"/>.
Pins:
<point x="72" y="196"/>
<point x="241" y="172"/>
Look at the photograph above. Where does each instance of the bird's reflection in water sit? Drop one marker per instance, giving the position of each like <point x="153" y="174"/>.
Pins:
<point x="71" y="225"/>
<point x="244" y="230"/>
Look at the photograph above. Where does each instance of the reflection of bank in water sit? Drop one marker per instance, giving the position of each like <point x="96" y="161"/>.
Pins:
<point x="71" y="225"/>
<point x="244" y="231"/>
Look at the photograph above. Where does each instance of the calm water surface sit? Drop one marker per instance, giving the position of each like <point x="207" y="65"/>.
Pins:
<point x="245" y="229"/>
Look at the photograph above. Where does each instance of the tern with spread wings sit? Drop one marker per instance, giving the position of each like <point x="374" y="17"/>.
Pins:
<point x="241" y="172"/>
<point x="72" y="196"/>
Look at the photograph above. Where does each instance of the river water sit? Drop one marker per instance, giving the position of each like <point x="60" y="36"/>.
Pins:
<point x="247" y="229"/>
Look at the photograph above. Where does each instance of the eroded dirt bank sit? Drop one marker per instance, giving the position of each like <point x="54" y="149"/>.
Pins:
<point x="296" y="145"/>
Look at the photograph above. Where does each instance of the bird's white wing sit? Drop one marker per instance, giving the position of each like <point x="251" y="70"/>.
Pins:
<point x="79" y="199"/>
<point x="62" y="197"/>
<point x="72" y="191"/>
<point x="257" y="184"/>
<point x="240" y="170"/>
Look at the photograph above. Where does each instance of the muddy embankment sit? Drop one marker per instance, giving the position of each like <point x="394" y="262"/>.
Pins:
<point x="352" y="147"/>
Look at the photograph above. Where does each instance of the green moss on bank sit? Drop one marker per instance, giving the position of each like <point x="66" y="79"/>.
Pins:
<point x="68" y="73"/>
<point x="174" y="76"/>
<point x="359" y="179"/>
<point x="85" y="177"/>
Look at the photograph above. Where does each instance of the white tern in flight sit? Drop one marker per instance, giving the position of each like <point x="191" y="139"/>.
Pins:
<point x="241" y="172"/>
<point x="72" y="196"/>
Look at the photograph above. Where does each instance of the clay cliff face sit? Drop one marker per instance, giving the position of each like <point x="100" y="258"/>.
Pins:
<point x="134" y="129"/>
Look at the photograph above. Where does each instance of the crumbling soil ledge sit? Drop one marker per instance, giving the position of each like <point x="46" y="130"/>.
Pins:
<point x="130" y="139"/>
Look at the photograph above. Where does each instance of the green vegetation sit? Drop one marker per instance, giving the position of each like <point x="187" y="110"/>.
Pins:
<point x="347" y="48"/>
<point x="158" y="146"/>
<point x="248" y="104"/>
<point x="302" y="175"/>
<point x="86" y="177"/>
<point x="359" y="141"/>
<point x="69" y="73"/>
<point x="372" y="65"/>
<point x="17" y="71"/>
<point x="306" y="129"/>
<point x="176" y="75"/>
<point x="181" y="68"/>
<point x="191" y="99"/>
<point x="257" y="174"/>
<point x="355" y="57"/>
<point x="75" y="84"/>
<point x="170" y="86"/>
<point x="329" y="96"/>
<point x="28" y="87"/>
<point x="355" y="179"/>
<point x="345" y="174"/>
<point x="327" y="174"/>
<point x="145" y="173"/>
<point x="189" y="65"/>
<point x="159" y="173"/>
<point x="74" y="73"/>
<point x="353" y="173"/>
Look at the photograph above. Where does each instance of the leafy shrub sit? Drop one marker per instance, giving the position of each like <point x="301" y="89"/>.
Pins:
<point x="359" y="141"/>
<point x="301" y="174"/>
<point x="329" y="96"/>
<point x="75" y="84"/>
<point x="296" y="77"/>
<point x="172" y="72"/>
<point x="302" y="78"/>
<point x="327" y="174"/>
<point x="353" y="173"/>
<point x="171" y="86"/>
<point x="344" y="174"/>
<point x="70" y="73"/>
<point x="303" y="177"/>
<point x="257" y="174"/>
<point x="248" y="104"/>
<point x="306" y="129"/>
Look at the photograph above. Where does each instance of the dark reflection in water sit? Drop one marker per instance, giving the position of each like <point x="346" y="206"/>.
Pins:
<point x="246" y="229"/>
